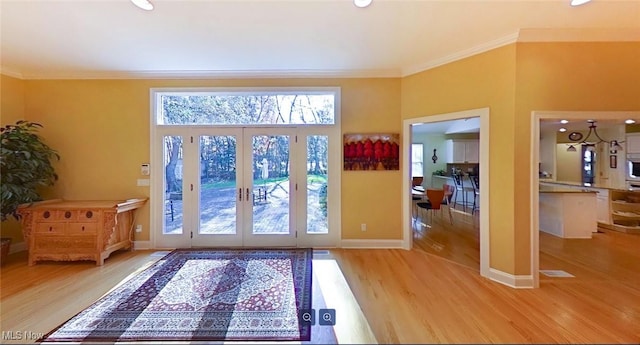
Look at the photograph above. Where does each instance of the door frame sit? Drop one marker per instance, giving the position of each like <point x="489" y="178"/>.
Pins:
<point x="299" y="213"/>
<point x="483" y="113"/>
<point x="536" y="117"/>
<point x="333" y="131"/>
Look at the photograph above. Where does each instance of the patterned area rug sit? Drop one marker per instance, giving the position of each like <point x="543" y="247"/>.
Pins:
<point x="212" y="294"/>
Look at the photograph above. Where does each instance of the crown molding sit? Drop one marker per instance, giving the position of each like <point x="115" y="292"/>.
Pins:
<point x="580" y="35"/>
<point x="265" y="74"/>
<point x="11" y="73"/>
<point x="522" y="35"/>
<point x="534" y="35"/>
<point x="503" y="41"/>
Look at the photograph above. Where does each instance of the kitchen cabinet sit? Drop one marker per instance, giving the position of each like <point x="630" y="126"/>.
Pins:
<point x="633" y="142"/>
<point x="463" y="150"/>
<point x="602" y="201"/>
<point x="63" y="230"/>
<point x="567" y="213"/>
<point x="603" y="212"/>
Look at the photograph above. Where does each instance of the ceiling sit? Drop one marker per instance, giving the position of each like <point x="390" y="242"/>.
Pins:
<point x="602" y="122"/>
<point x="468" y="125"/>
<point x="260" y="38"/>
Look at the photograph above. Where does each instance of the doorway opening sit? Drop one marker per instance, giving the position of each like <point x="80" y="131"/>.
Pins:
<point x="450" y="227"/>
<point x="551" y="150"/>
<point x="483" y="171"/>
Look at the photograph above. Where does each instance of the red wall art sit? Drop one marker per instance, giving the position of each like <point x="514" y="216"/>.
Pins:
<point x="378" y="151"/>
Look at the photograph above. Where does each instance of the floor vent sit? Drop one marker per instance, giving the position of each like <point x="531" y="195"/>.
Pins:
<point x="556" y="273"/>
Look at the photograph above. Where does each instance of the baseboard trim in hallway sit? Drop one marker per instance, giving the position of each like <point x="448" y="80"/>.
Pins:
<point x="514" y="281"/>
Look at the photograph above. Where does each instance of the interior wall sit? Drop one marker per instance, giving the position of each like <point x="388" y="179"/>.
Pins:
<point x="565" y="76"/>
<point x="101" y="130"/>
<point x="11" y="110"/>
<point x="568" y="164"/>
<point x="430" y="142"/>
<point x="483" y="80"/>
<point x="548" y="152"/>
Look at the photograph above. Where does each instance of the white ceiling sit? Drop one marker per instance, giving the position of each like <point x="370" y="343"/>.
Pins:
<point x="254" y="38"/>
<point x="469" y="125"/>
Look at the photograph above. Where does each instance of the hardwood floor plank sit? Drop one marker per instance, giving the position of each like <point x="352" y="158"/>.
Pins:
<point x="406" y="296"/>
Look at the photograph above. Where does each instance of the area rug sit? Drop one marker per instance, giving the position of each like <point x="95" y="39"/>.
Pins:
<point x="204" y="294"/>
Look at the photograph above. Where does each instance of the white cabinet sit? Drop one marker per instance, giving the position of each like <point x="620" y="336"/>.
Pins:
<point x="633" y="143"/>
<point x="463" y="151"/>
<point x="602" y="201"/>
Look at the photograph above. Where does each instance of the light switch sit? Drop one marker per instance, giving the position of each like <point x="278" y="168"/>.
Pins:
<point x="144" y="169"/>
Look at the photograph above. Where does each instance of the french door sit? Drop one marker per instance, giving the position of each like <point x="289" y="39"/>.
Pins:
<point x="252" y="186"/>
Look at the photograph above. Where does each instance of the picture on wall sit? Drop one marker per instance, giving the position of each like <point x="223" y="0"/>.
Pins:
<point x="377" y="151"/>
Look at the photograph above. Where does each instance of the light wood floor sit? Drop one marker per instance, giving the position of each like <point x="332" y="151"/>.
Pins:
<point x="406" y="296"/>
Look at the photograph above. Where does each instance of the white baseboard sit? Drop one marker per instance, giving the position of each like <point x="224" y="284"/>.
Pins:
<point x="372" y="244"/>
<point x="518" y="282"/>
<point x="17" y="247"/>
<point x="141" y="245"/>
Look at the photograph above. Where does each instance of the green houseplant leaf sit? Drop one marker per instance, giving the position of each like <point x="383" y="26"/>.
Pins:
<point x="25" y="165"/>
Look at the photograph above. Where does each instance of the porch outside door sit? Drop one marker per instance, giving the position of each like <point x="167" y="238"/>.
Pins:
<point x="237" y="188"/>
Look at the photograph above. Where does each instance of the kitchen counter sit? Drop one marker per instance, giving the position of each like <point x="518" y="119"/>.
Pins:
<point x="568" y="213"/>
<point x="562" y="189"/>
<point x="577" y="184"/>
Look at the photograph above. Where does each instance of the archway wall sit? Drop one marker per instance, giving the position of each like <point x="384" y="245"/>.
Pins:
<point x="513" y="81"/>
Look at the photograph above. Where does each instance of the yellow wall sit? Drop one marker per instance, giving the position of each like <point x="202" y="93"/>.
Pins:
<point x="101" y="127"/>
<point x="568" y="164"/>
<point x="101" y="130"/>
<point x="589" y="76"/>
<point x="11" y="110"/>
<point x="514" y="81"/>
<point x="484" y="80"/>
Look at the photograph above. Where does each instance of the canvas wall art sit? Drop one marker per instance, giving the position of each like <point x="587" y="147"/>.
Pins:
<point x="377" y="151"/>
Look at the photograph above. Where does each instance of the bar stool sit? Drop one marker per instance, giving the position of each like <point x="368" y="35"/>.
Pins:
<point x="459" y="187"/>
<point x="475" y="183"/>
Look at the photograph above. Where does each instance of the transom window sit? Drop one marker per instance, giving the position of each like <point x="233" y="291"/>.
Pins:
<point x="246" y="108"/>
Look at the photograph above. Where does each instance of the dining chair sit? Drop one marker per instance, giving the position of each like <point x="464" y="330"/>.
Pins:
<point x="448" y="194"/>
<point x="435" y="199"/>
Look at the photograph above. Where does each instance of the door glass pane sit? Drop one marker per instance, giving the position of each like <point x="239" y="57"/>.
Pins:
<point x="218" y="188"/>
<point x="173" y="217"/>
<point x="317" y="165"/>
<point x="270" y="198"/>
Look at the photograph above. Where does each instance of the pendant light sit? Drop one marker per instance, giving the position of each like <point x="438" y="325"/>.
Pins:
<point x="614" y="145"/>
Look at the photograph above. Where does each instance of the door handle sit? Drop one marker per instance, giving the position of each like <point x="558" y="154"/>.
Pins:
<point x="247" y="194"/>
<point x="240" y="194"/>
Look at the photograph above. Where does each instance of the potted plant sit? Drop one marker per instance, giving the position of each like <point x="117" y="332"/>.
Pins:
<point x="25" y="166"/>
<point x="440" y="172"/>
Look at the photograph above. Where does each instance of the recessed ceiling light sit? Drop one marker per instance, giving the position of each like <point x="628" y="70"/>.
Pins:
<point x="578" y="2"/>
<point x="562" y="129"/>
<point x="630" y="121"/>
<point x="564" y="121"/>
<point x="143" y="4"/>
<point x="362" y="3"/>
